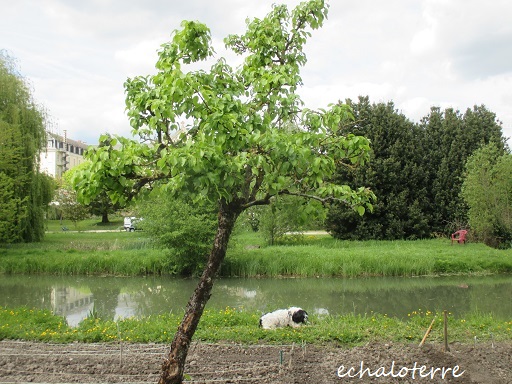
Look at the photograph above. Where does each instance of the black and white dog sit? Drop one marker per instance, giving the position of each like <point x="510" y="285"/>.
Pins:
<point x="291" y="317"/>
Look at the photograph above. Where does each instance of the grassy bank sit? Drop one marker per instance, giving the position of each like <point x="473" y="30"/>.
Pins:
<point x="132" y="254"/>
<point x="325" y="256"/>
<point x="231" y="325"/>
<point x="85" y="253"/>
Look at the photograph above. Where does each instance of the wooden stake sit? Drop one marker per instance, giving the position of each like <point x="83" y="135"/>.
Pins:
<point x="427" y="333"/>
<point x="120" y="345"/>
<point x="446" y="348"/>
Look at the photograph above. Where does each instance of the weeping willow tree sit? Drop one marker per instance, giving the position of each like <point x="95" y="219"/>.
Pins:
<point x="24" y="191"/>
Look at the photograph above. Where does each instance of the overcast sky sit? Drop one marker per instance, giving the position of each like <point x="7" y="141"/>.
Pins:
<point x="417" y="53"/>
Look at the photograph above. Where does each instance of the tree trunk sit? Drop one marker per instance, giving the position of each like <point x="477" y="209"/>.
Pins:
<point x="104" y="217"/>
<point x="174" y="366"/>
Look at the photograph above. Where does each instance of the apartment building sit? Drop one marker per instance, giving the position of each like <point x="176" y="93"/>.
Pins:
<point x="61" y="154"/>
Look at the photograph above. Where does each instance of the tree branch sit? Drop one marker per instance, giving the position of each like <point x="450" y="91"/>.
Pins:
<point x="324" y="201"/>
<point x="253" y="203"/>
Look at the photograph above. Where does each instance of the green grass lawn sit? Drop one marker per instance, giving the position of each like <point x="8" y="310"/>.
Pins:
<point x="241" y="327"/>
<point x="92" y="224"/>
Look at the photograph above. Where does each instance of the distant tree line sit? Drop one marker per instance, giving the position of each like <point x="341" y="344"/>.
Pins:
<point x="450" y="170"/>
<point x="416" y="170"/>
<point x="24" y="191"/>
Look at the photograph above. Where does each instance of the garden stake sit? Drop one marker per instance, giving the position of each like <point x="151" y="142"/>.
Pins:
<point x="446" y="348"/>
<point x="427" y="333"/>
<point x="120" y="345"/>
<point x="291" y="356"/>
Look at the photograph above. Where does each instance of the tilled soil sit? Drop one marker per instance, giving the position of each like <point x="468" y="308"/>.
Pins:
<point x="234" y="363"/>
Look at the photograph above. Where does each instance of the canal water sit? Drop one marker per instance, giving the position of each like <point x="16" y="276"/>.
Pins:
<point x="120" y="297"/>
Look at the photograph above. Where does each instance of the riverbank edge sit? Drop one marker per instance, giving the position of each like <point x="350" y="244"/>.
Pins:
<point x="238" y="326"/>
<point x="107" y="254"/>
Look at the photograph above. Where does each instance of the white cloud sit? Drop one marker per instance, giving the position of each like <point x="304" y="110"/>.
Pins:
<point x="417" y="54"/>
<point x="424" y="41"/>
<point x="139" y="58"/>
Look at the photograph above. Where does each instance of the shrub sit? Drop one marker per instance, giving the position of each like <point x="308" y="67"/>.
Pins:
<point x="187" y="229"/>
<point x="287" y="214"/>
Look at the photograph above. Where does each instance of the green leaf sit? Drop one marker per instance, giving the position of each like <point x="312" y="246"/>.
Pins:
<point x="248" y="135"/>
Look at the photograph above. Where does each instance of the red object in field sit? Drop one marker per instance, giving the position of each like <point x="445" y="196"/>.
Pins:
<point x="459" y="236"/>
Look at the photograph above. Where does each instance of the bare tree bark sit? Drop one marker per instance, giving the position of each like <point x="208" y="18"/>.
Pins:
<point x="174" y="366"/>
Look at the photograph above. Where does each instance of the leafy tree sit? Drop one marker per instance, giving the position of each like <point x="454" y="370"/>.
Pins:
<point x="24" y="191"/>
<point x="284" y="216"/>
<point x="449" y="138"/>
<point x="394" y="174"/>
<point x="252" y="218"/>
<point x="185" y="228"/>
<point x="416" y="170"/>
<point x="101" y="205"/>
<point x="238" y="152"/>
<point x="69" y="206"/>
<point x="487" y="189"/>
<point x="8" y="209"/>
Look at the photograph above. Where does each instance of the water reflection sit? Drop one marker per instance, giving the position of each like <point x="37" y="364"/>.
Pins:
<point x="111" y="298"/>
<point x="71" y="303"/>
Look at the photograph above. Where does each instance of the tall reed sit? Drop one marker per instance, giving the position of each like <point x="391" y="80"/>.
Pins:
<point x="121" y="253"/>
<point x="329" y="257"/>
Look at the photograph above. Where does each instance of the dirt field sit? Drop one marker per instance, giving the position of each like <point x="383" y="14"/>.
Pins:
<point x="230" y="363"/>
